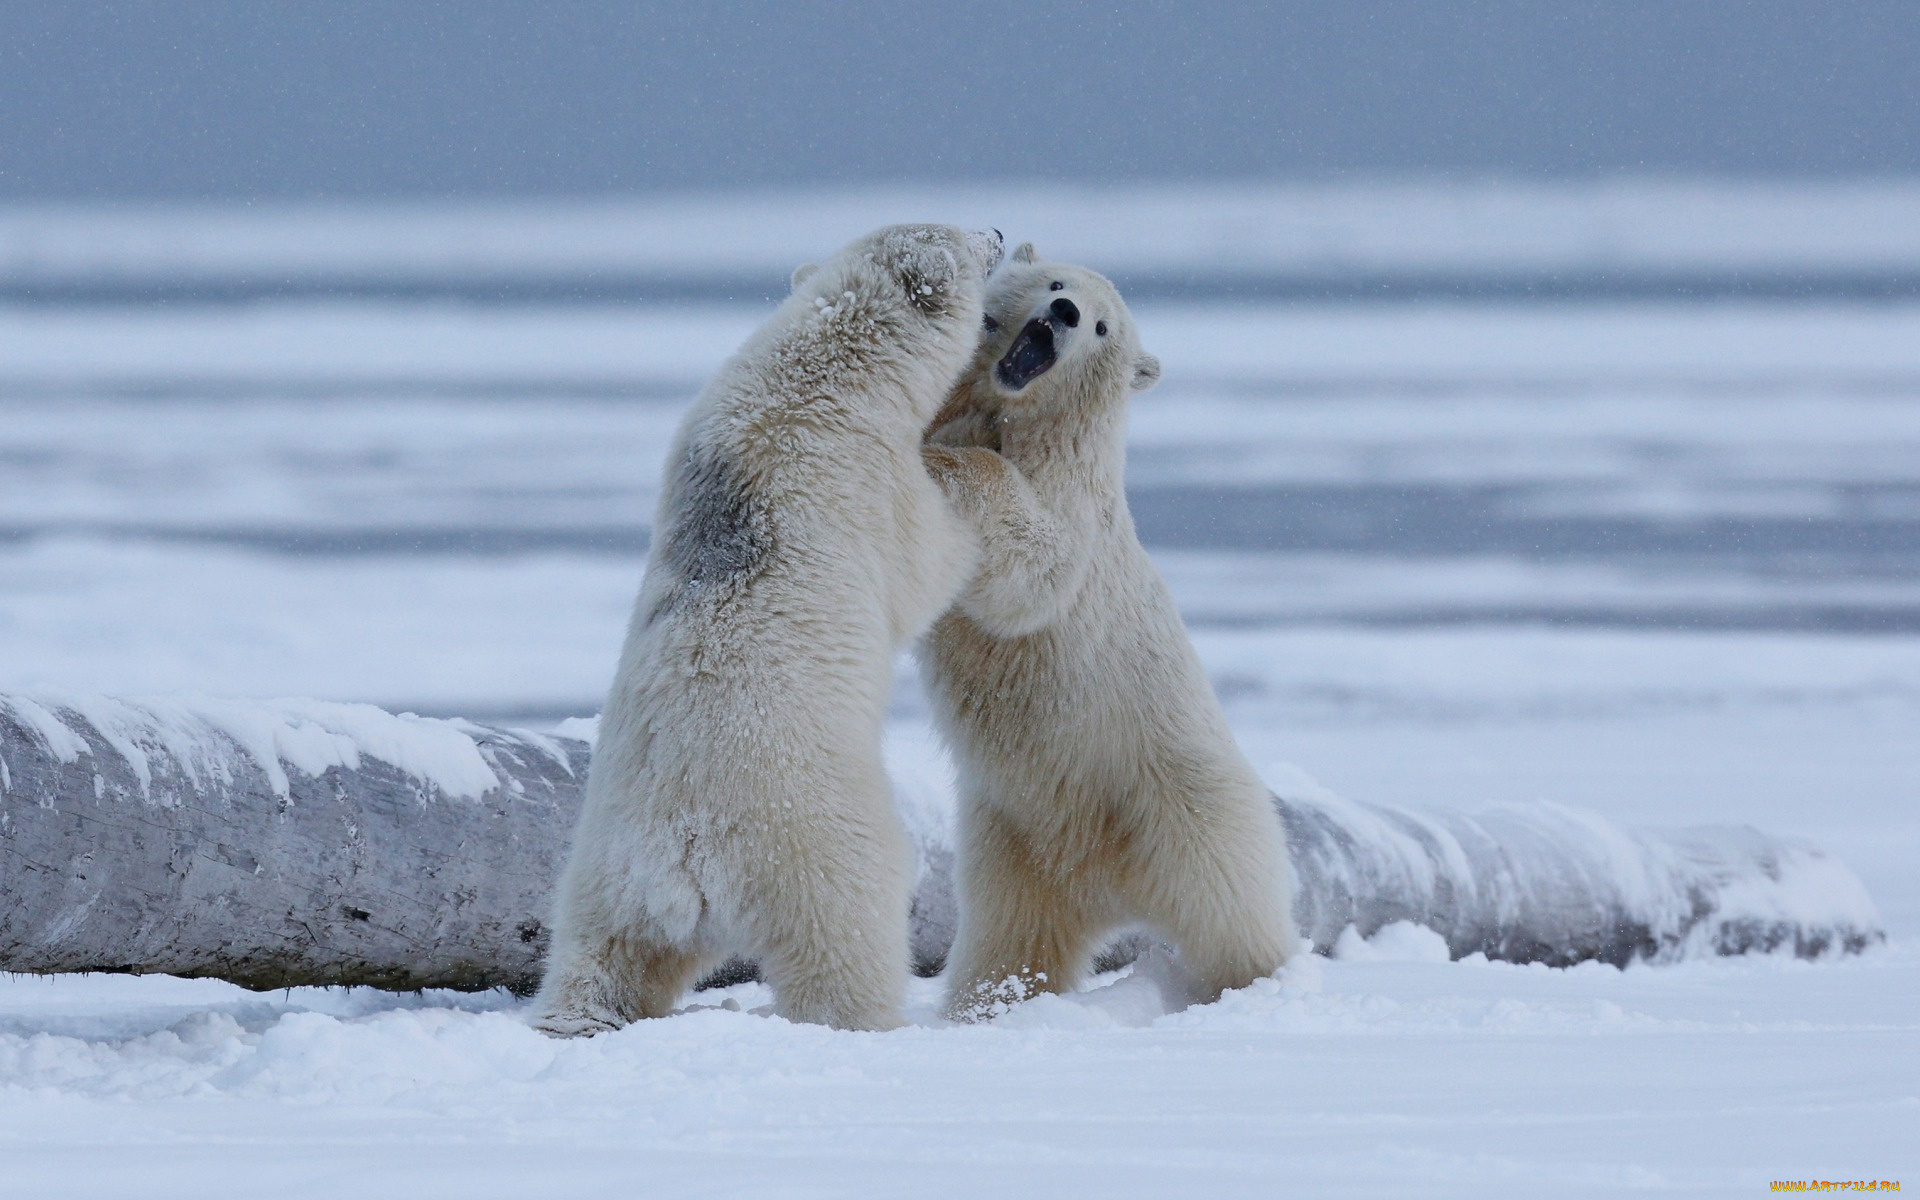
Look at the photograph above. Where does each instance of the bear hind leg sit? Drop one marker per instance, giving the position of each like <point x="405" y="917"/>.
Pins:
<point x="628" y="978"/>
<point x="1224" y="955"/>
<point x="844" y="981"/>
<point x="1022" y="930"/>
<point x="832" y="932"/>
<point x="1220" y="896"/>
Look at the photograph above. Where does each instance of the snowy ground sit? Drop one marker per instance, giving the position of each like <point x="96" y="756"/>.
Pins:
<point x="1381" y="1076"/>
<point x="1658" y="560"/>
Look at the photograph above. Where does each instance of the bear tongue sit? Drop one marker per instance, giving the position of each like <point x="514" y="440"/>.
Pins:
<point x="1030" y="356"/>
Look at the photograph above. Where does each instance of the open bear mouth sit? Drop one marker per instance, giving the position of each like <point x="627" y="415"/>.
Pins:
<point x="1031" y="355"/>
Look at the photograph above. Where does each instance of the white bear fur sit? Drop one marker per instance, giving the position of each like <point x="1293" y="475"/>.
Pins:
<point x="737" y="803"/>
<point x="1099" y="784"/>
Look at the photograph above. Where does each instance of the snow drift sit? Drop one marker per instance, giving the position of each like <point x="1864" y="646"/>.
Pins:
<point x="301" y="842"/>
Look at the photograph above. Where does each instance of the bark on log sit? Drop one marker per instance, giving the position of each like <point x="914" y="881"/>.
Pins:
<point x="299" y="842"/>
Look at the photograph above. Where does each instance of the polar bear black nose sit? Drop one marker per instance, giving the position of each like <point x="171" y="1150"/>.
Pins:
<point x="1066" y="311"/>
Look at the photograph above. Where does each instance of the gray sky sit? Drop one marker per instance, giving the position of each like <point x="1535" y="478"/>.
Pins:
<point x="419" y="98"/>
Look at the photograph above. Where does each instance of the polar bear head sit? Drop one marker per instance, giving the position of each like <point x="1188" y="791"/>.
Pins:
<point x="1055" y="333"/>
<point x="937" y="268"/>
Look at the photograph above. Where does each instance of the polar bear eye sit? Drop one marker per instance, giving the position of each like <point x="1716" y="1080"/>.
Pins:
<point x="1056" y="286"/>
<point x="989" y="324"/>
<point x="1100" y="327"/>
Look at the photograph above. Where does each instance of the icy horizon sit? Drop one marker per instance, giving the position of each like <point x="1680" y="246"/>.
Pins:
<point x="1621" y="235"/>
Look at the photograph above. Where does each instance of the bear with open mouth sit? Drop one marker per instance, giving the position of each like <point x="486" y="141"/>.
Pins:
<point x="1099" y="784"/>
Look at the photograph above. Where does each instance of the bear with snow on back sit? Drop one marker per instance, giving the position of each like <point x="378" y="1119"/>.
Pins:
<point x="737" y="803"/>
<point x="1099" y="784"/>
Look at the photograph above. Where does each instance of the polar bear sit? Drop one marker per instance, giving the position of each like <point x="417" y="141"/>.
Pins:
<point x="737" y="803"/>
<point x="1099" y="785"/>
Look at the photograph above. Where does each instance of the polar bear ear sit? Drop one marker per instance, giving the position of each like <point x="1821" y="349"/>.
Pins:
<point x="1023" y="253"/>
<point x="801" y="274"/>
<point x="1146" y="372"/>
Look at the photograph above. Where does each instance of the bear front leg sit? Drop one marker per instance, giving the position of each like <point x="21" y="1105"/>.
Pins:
<point x="964" y="424"/>
<point x="1023" y="929"/>
<point x="1033" y="560"/>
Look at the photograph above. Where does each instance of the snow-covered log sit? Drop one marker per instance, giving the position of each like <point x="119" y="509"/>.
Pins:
<point x="274" y="844"/>
<point x="1559" y="885"/>
<point x="301" y="842"/>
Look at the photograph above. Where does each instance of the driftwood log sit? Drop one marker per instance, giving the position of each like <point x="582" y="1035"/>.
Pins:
<point x="298" y="842"/>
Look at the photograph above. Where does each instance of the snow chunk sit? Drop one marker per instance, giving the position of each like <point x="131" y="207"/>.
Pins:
<point x="1400" y="941"/>
<point x="579" y="729"/>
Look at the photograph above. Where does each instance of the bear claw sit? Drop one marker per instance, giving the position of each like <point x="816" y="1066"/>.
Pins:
<point x="575" y="1023"/>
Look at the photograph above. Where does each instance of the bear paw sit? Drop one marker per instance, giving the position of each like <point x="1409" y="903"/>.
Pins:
<point x="995" y="998"/>
<point x="577" y="1022"/>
